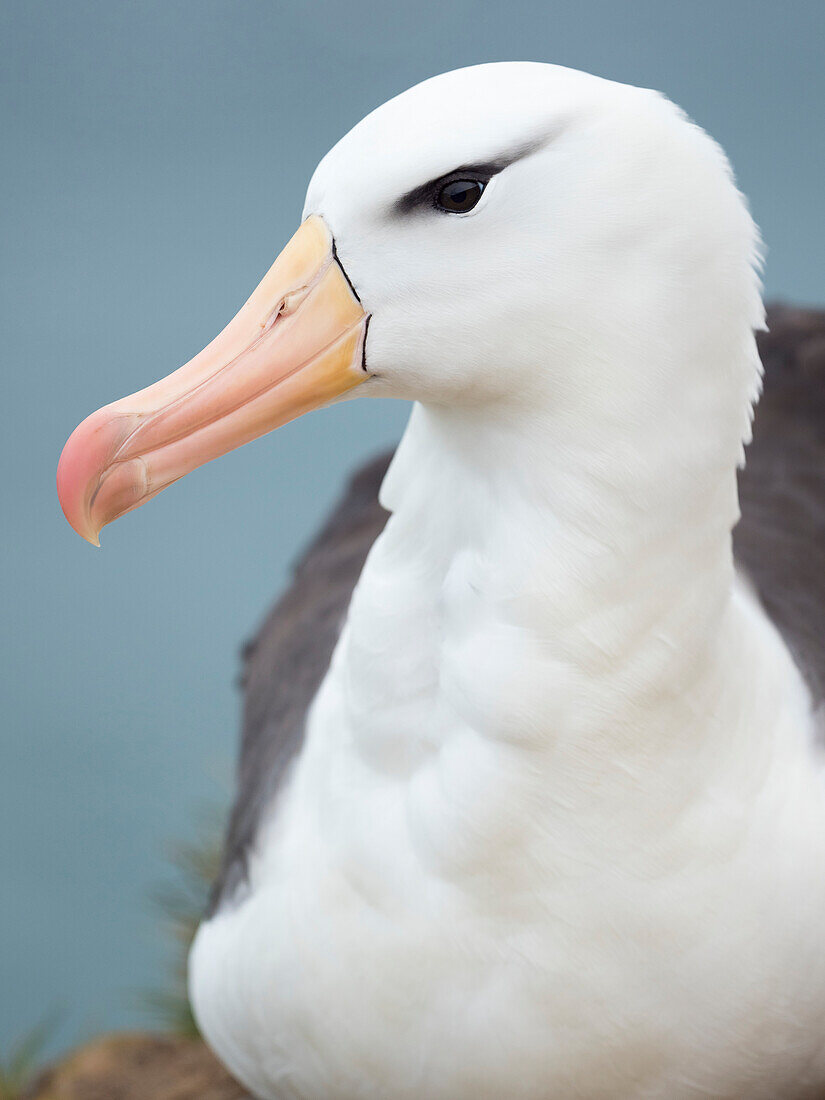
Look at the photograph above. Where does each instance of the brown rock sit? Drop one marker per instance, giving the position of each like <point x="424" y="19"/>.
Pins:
<point x="138" y="1067"/>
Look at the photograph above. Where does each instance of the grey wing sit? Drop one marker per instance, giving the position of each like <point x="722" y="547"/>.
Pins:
<point x="780" y="540"/>
<point x="285" y="663"/>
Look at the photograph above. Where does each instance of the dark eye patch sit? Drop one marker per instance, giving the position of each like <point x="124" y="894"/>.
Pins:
<point x="475" y="177"/>
<point x="428" y="195"/>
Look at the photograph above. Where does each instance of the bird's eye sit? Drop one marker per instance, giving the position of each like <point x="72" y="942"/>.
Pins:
<point x="459" y="196"/>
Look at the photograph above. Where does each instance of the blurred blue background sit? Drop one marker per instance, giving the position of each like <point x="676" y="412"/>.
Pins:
<point x="154" y="159"/>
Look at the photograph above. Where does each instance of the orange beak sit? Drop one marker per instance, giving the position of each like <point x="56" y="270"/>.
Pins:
<point x="297" y="344"/>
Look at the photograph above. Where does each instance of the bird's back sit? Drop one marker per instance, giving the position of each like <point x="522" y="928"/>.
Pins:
<point x="780" y="540"/>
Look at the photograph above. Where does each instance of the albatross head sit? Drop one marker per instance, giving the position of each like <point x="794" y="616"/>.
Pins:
<point x="516" y="243"/>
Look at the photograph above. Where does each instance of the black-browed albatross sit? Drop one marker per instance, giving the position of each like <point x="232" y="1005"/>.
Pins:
<point x="546" y="815"/>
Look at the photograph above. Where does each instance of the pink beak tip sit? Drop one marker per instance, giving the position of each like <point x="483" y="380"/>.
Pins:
<point x="78" y="473"/>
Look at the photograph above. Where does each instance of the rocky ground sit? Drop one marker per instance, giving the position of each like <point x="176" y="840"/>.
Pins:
<point x="137" y="1067"/>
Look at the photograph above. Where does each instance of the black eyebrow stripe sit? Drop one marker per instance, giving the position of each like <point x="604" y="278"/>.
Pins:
<point x="425" y="193"/>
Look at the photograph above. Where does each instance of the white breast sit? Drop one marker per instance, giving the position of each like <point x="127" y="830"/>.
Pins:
<point x="479" y="885"/>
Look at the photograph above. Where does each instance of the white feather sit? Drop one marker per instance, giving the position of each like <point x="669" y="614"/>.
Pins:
<point x="558" y="825"/>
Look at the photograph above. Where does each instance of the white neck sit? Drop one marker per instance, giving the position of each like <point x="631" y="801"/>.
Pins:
<point x="536" y="623"/>
<point x="557" y="732"/>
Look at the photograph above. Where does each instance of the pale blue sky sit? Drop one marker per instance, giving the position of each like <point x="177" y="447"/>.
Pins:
<point x="155" y="156"/>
